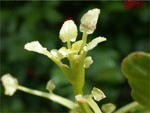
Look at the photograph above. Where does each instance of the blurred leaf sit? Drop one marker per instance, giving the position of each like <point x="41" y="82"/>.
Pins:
<point x="17" y="105"/>
<point x="123" y="43"/>
<point x="142" y="45"/>
<point x="58" y="77"/>
<point x="116" y="6"/>
<point x="17" y="52"/>
<point x="52" y="15"/>
<point x="105" y="68"/>
<point x="136" y="68"/>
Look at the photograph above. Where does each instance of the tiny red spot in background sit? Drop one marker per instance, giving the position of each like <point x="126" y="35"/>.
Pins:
<point x="133" y="4"/>
<point x="40" y="77"/>
<point x="29" y="72"/>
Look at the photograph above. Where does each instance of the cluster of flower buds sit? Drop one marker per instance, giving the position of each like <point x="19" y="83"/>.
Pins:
<point x="68" y="33"/>
<point x="75" y="52"/>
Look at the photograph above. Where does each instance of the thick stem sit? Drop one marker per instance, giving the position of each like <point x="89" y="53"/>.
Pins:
<point x="128" y="107"/>
<point x="58" y="99"/>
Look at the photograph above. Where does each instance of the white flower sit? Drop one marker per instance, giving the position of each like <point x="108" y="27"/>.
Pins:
<point x="68" y="32"/>
<point x="98" y="94"/>
<point x="37" y="47"/>
<point x="94" y="43"/>
<point x="88" y="61"/>
<point x="50" y="86"/>
<point x="89" y="21"/>
<point x="10" y="84"/>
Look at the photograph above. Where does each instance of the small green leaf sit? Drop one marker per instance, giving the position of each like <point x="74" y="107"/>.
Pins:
<point x="136" y="68"/>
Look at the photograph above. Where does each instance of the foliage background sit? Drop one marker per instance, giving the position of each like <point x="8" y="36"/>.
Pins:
<point x="21" y="22"/>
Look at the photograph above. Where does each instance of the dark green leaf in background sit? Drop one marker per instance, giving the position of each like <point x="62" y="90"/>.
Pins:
<point x="136" y="68"/>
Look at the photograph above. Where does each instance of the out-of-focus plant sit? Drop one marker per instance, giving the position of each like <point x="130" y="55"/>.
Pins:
<point x="76" y="54"/>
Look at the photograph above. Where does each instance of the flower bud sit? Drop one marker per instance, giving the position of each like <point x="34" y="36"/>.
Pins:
<point x="98" y="94"/>
<point x="108" y="108"/>
<point x="68" y="32"/>
<point x="88" y="61"/>
<point x="10" y="84"/>
<point x="50" y="86"/>
<point x="89" y="21"/>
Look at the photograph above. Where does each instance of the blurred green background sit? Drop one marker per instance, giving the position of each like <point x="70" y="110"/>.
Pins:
<point x="21" y="22"/>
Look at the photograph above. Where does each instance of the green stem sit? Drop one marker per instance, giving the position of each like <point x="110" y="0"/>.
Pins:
<point x="60" y="64"/>
<point x="58" y="99"/>
<point x="68" y="44"/>
<point x="84" y="38"/>
<point x="128" y="107"/>
<point x="93" y="104"/>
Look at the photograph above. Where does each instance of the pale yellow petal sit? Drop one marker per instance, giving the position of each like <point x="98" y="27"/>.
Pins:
<point x="68" y="32"/>
<point x="77" y="45"/>
<point x="94" y="43"/>
<point x="88" y="61"/>
<point x="35" y="46"/>
<point x="56" y="54"/>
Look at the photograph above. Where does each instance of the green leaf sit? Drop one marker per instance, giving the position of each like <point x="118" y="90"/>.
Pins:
<point x="136" y="68"/>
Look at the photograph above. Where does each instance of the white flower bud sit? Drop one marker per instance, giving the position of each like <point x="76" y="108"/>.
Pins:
<point x="98" y="94"/>
<point x="89" y="21"/>
<point x="68" y="32"/>
<point x="10" y="84"/>
<point x="88" y="61"/>
<point x="50" y="86"/>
